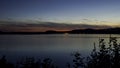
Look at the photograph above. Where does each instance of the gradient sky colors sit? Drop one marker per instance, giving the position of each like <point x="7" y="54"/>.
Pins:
<point x="91" y="12"/>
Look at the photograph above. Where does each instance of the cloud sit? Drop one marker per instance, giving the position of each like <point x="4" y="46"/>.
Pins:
<point x="44" y="26"/>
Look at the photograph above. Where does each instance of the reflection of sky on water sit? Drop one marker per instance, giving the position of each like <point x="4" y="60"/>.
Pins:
<point x="44" y="43"/>
<point x="58" y="47"/>
<point x="48" y="43"/>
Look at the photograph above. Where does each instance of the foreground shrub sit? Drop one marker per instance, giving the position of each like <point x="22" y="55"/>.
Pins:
<point x="106" y="56"/>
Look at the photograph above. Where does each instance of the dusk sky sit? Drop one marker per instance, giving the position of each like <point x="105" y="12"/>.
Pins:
<point x="90" y="12"/>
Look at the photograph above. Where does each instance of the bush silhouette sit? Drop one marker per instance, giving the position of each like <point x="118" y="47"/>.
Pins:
<point x="47" y="63"/>
<point x="30" y="63"/>
<point x="5" y="64"/>
<point x="106" y="56"/>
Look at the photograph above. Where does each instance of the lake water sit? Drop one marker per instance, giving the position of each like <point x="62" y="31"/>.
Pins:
<point x="58" y="47"/>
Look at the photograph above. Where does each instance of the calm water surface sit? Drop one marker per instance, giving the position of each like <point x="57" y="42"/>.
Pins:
<point x="59" y="47"/>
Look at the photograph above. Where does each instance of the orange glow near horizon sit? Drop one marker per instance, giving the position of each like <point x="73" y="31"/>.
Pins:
<point x="57" y="27"/>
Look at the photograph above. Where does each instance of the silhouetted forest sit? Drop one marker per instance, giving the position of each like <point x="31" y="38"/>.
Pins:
<point x="105" y="55"/>
<point x="75" y="31"/>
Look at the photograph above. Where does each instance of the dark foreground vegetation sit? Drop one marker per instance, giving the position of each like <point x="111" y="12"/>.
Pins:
<point x="106" y="55"/>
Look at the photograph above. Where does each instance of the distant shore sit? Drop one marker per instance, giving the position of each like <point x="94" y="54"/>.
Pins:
<point x="76" y="31"/>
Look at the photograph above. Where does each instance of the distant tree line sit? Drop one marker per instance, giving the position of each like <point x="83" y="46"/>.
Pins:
<point x="107" y="55"/>
<point x="74" y="31"/>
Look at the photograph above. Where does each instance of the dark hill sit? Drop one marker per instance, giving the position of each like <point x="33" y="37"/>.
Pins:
<point x="76" y="31"/>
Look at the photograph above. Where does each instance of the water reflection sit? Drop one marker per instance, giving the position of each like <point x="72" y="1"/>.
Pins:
<point x="53" y="46"/>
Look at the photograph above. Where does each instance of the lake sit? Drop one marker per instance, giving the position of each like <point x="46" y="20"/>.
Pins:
<point x="58" y="47"/>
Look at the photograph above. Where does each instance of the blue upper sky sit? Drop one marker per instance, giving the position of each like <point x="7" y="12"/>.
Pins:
<point x="66" y="11"/>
